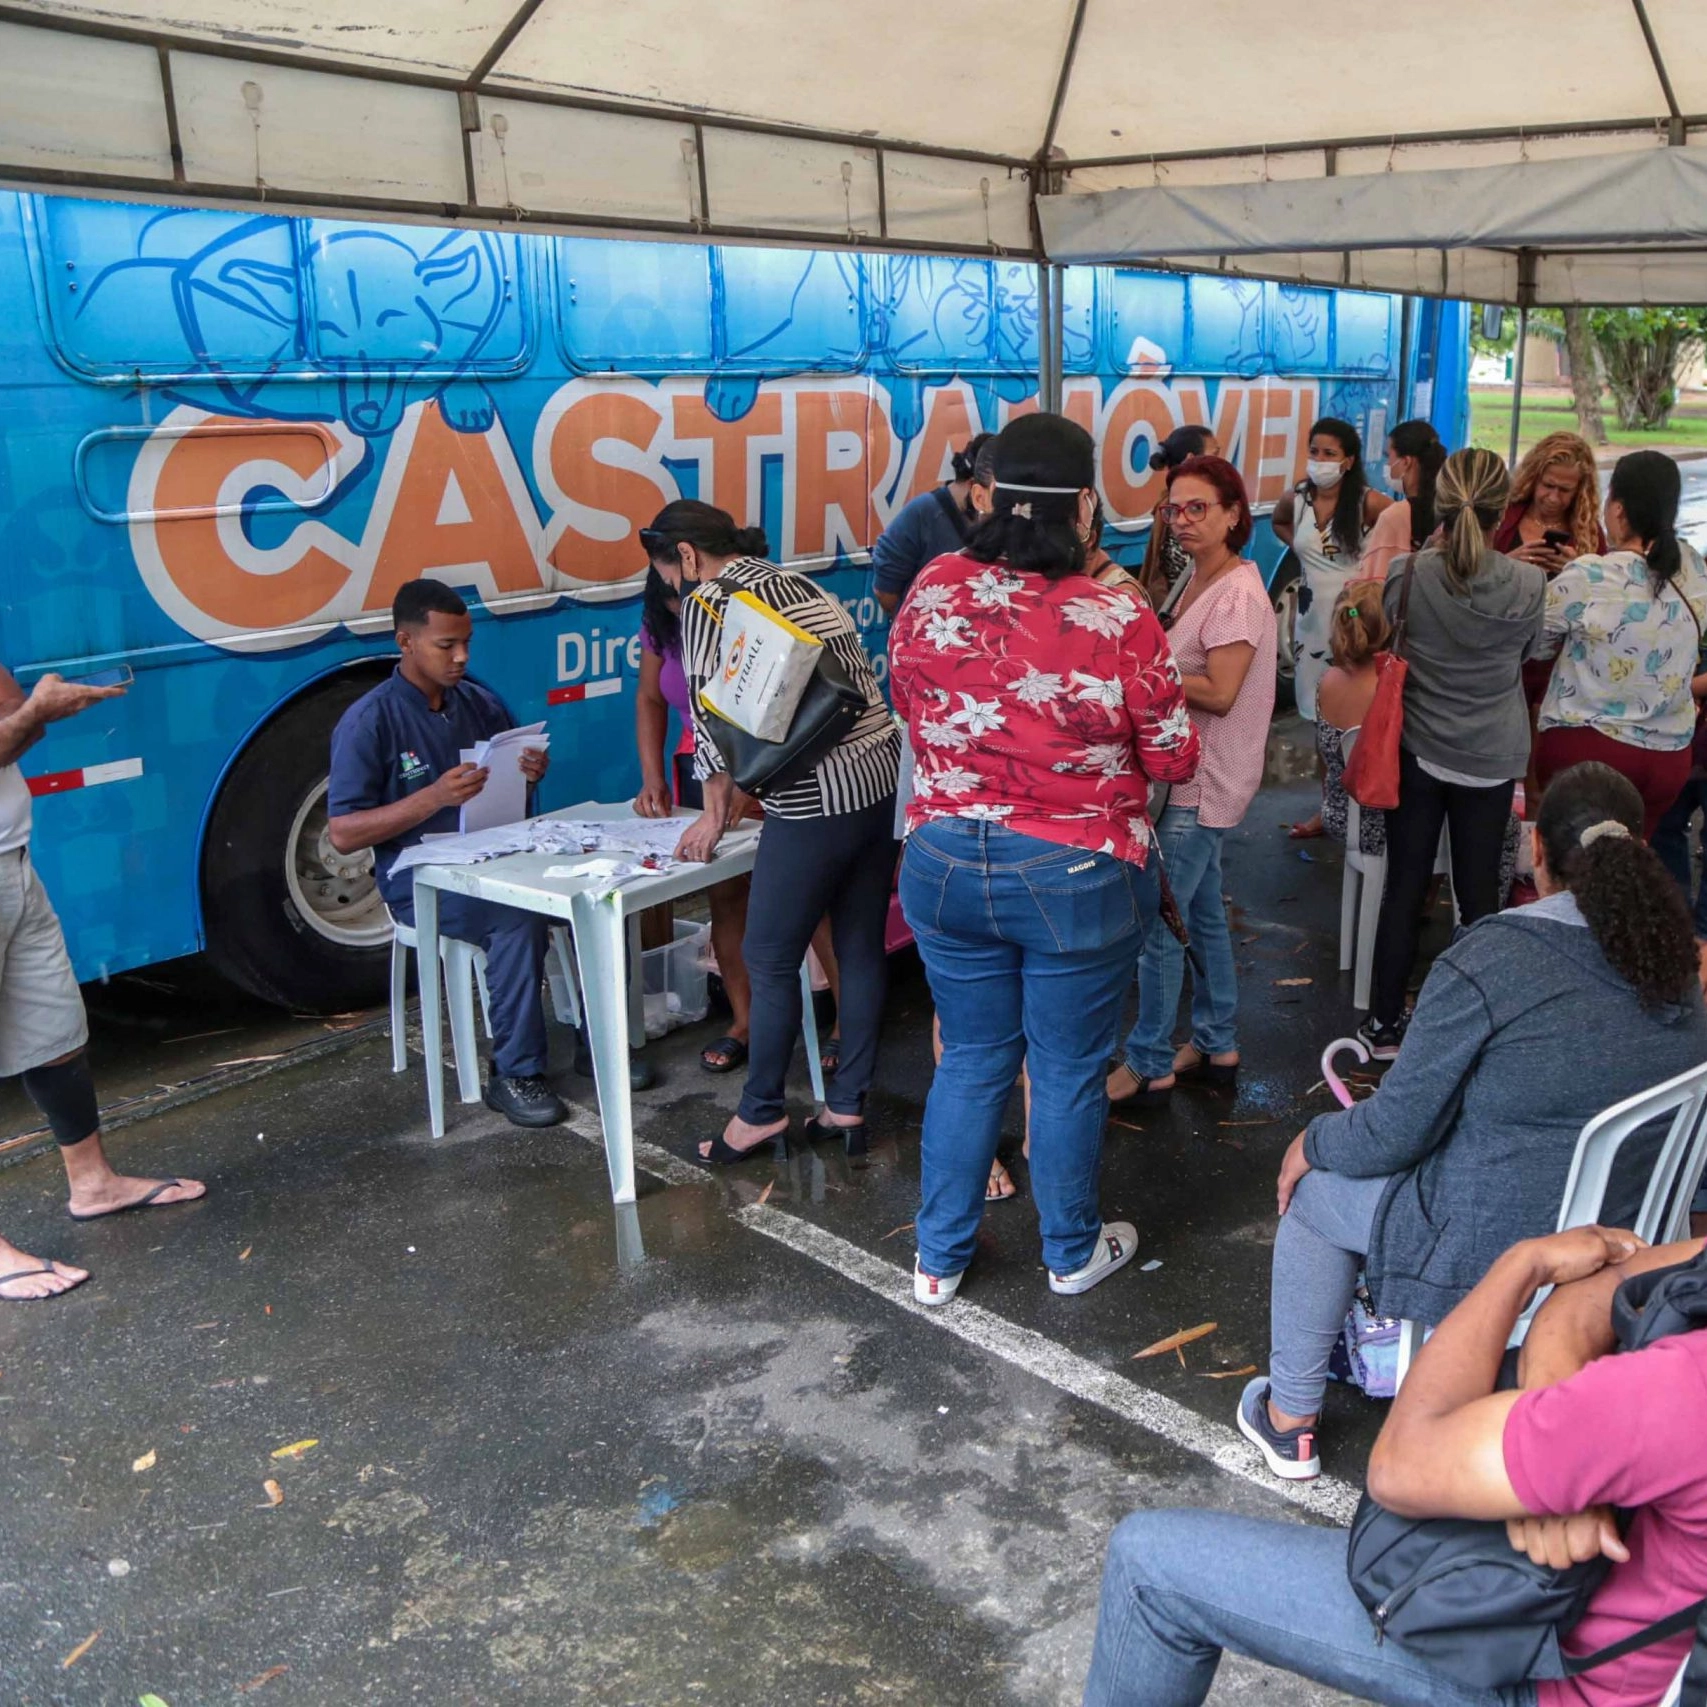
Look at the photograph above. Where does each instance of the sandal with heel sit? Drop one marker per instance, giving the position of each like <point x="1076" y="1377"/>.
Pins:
<point x="855" y="1138"/>
<point x="723" y="1154"/>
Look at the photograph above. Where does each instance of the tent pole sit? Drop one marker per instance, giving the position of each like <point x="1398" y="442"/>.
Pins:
<point x="1057" y="337"/>
<point x="1517" y="382"/>
<point x="1045" y="329"/>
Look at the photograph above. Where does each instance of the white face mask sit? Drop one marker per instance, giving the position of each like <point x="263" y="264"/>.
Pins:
<point x="1324" y="476"/>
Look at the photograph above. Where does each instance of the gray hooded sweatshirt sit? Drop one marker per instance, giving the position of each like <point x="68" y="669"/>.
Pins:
<point x="1464" y="707"/>
<point x="1522" y="1034"/>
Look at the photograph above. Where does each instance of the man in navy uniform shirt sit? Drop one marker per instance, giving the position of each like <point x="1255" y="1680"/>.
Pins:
<point x="397" y="774"/>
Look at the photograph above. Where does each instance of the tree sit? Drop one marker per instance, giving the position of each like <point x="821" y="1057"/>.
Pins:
<point x="1640" y="351"/>
<point x="1585" y="375"/>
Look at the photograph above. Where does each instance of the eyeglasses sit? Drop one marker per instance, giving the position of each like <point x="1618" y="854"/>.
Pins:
<point x="1194" y="510"/>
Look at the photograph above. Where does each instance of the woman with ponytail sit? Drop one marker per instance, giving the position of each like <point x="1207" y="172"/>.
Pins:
<point x="1471" y="618"/>
<point x="1627" y="629"/>
<point x="1415" y="457"/>
<point x="829" y="842"/>
<point x="1529" y="1025"/>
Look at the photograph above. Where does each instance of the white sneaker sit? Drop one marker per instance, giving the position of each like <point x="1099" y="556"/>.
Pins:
<point x="1116" y="1245"/>
<point x="933" y="1289"/>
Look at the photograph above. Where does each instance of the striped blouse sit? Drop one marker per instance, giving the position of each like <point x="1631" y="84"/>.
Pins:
<point x="858" y="772"/>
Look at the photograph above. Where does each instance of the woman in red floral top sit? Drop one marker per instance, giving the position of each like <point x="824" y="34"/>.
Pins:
<point x="1040" y="707"/>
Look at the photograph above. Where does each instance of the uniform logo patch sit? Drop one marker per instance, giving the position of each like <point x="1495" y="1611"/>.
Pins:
<point x="411" y="766"/>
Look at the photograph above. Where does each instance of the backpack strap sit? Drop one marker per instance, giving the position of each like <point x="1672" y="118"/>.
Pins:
<point x="1674" y="1625"/>
<point x="954" y="512"/>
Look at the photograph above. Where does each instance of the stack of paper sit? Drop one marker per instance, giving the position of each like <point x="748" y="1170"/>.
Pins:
<point x="504" y="799"/>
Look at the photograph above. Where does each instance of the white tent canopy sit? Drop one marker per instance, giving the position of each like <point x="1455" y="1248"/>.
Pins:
<point x="1462" y="147"/>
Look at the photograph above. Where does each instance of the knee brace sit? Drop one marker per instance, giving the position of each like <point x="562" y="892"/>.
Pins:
<point x="66" y="1095"/>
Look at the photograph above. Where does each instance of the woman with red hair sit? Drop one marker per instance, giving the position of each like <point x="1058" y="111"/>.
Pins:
<point x="1223" y="639"/>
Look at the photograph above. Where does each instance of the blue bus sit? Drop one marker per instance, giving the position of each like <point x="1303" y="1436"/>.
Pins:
<point x="226" y="439"/>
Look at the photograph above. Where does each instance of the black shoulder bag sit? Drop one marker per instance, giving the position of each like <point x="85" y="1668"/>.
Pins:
<point x="830" y="705"/>
<point x="1456" y="1593"/>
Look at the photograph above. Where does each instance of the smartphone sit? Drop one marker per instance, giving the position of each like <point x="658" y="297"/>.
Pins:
<point x="1557" y="538"/>
<point x="121" y="677"/>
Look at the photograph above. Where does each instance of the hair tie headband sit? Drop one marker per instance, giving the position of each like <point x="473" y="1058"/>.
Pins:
<point x="1015" y="486"/>
<point x="1606" y="827"/>
<point x="1351" y="610"/>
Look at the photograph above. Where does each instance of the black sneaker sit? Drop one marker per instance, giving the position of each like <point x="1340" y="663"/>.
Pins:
<point x="1382" y="1041"/>
<point x="528" y="1101"/>
<point x="1290" y="1452"/>
<point x="642" y="1075"/>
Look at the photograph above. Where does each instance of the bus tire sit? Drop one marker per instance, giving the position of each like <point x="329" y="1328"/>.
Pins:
<point x="1283" y="591"/>
<point x="284" y="916"/>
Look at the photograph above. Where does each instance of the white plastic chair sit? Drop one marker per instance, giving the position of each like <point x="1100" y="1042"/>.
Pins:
<point x="1677" y="1171"/>
<point x="1361" y="888"/>
<point x="464" y="974"/>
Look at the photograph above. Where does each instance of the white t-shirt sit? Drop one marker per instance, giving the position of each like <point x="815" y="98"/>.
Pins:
<point x="14" y="810"/>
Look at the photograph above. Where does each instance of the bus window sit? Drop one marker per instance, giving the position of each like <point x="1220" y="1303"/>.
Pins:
<point x="1147" y="317"/>
<point x="1299" y="323"/>
<point x="940" y="314"/>
<point x="1363" y="333"/>
<point x="390" y="295"/>
<point x="1224" y="326"/>
<point x="161" y="291"/>
<point x="1016" y="317"/>
<point x="634" y="307"/>
<point x="791" y="310"/>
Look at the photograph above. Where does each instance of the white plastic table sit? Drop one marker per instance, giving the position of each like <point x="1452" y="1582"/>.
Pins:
<point x="599" y="924"/>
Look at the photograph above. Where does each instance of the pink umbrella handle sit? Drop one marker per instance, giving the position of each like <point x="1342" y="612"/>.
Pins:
<point x="1335" y="1083"/>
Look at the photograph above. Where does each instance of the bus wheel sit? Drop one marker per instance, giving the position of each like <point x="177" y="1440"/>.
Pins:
<point x="1283" y="590"/>
<point x="287" y="917"/>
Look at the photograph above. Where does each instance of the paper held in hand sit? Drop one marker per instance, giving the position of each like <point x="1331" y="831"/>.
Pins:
<point x="763" y="666"/>
<point x="504" y="799"/>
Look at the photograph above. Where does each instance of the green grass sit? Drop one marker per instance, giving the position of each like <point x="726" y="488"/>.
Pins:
<point x="1551" y="412"/>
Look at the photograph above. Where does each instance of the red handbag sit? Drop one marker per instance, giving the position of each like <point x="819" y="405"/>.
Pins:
<point x="1372" y="771"/>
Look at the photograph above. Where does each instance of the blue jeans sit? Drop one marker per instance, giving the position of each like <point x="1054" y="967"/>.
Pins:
<point x="1191" y="856"/>
<point x="1671" y="843"/>
<point x="1028" y="945"/>
<point x="1181" y="1586"/>
<point x="515" y="942"/>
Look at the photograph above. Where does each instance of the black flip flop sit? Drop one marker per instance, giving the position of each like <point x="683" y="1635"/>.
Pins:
<point x="1143" y="1096"/>
<point x="1220" y="1075"/>
<point x="829" y="1056"/>
<point x="733" y="1051"/>
<point x="30" y="1274"/>
<point x="141" y="1203"/>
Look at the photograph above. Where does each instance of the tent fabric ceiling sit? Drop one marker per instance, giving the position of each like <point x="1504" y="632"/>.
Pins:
<point x="882" y="123"/>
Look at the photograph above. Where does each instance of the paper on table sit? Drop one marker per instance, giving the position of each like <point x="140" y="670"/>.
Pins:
<point x="504" y="799"/>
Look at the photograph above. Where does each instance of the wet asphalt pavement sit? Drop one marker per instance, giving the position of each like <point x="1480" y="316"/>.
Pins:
<point x="702" y="1451"/>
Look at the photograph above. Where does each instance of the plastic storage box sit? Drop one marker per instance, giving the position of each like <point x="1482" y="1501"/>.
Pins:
<point x="674" y="979"/>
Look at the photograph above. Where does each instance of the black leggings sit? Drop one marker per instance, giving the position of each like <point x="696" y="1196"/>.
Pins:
<point x="1477" y="819"/>
<point x="807" y="867"/>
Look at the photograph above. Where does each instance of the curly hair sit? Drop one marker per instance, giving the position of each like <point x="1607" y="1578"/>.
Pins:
<point x="1590" y="824"/>
<point x="1359" y="627"/>
<point x="1583" y="522"/>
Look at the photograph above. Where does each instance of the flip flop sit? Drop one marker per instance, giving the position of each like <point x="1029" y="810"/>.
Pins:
<point x="146" y="1202"/>
<point x="992" y="1195"/>
<point x="829" y="1056"/>
<point x="732" y="1050"/>
<point x="1304" y="833"/>
<point x="30" y="1274"/>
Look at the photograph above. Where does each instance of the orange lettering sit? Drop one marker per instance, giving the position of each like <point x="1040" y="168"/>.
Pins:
<point x="1231" y="426"/>
<point x="725" y="484"/>
<point x="949" y="423"/>
<point x="594" y="485"/>
<point x="452" y="509"/>
<point x="192" y="473"/>
<point x="1140" y="410"/>
<point x="818" y="487"/>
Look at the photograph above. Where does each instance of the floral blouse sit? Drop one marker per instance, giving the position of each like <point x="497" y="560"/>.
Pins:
<point x="1049" y="706"/>
<point x="1626" y="656"/>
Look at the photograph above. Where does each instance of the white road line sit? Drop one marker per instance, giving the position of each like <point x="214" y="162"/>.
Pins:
<point x="1035" y="1353"/>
